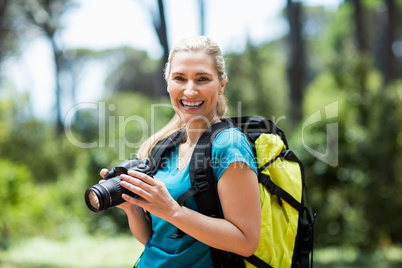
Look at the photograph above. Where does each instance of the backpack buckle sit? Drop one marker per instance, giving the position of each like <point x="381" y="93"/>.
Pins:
<point x="202" y="186"/>
<point x="271" y="186"/>
<point x="201" y="180"/>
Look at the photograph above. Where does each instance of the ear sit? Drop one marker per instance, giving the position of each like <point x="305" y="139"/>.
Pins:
<point x="222" y="88"/>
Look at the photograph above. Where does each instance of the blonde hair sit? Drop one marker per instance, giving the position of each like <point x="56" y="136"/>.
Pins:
<point x="188" y="44"/>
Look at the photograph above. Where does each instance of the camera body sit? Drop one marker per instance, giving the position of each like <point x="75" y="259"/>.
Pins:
<point x="107" y="193"/>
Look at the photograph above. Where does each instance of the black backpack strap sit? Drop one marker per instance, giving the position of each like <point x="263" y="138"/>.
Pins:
<point x="203" y="185"/>
<point x="257" y="262"/>
<point x="202" y="181"/>
<point x="253" y="126"/>
<point x="155" y="158"/>
<point x="305" y="234"/>
<point x="280" y="193"/>
<point x="275" y="189"/>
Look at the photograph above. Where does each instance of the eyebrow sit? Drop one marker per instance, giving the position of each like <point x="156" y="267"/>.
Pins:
<point x="200" y="73"/>
<point x="203" y="74"/>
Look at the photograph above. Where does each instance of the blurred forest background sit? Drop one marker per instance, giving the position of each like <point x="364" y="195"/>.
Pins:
<point x="333" y="83"/>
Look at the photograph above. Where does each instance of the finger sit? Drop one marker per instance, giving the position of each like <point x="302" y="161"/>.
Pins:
<point x="103" y="172"/>
<point x="136" y="186"/>
<point x="137" y="182"/>
<point x="133" y="200"/>
<point x="142" y="176"/>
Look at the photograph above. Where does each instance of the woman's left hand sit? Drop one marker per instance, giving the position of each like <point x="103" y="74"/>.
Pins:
<point x="155" y="197"/>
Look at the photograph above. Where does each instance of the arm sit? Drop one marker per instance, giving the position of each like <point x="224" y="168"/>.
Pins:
<point x="140" y="227"/>
<point x="238" y="191"/>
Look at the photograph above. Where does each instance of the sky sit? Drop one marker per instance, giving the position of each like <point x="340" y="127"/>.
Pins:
<point x="102" y="24"/>
<point x="228" y="22"/>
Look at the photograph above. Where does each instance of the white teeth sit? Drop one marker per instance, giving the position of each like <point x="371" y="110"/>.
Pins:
<point x="191" y="104"/>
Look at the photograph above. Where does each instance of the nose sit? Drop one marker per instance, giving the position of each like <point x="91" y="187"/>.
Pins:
<point x="190" y="90"/>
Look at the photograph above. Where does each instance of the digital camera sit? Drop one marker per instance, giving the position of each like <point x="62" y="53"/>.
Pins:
<point x="107" y="193"/>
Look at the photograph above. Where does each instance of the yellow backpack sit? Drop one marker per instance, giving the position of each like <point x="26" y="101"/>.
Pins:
<point x="286" y="237"/>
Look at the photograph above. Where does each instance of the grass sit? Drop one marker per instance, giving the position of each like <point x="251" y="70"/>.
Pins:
<point x="123" y="251"/>
<point x="353" y="258"/>
<point x="83" y="251"/>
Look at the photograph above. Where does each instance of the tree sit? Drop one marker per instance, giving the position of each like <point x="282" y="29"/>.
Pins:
<point x="46" y="15"/>
<point x="159" y="23"/>
<point x="356" y="200"/>
<point x="388" y="59"/>
<point x="135" y="72"/>
<point x="8" y="35"/>
<point x="3" y="29"/>
<point x="296" y="62"/>
<point x="201" y="4"/>
<point x="359" y="19"/>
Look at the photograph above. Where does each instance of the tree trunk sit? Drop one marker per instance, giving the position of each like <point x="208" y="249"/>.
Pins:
<point x="53" y="10"/>
<point x="201" y="4"/>
<point x="296" y="63"/>
<point x="161" y="31"/>
<point x="57" y="58"/>
<point x="3" y="31"/>
<point x="360" y="32"/>
<point x="361" y="70"/>
<point x="160" y="28"/>
<point x="389" y="58"/>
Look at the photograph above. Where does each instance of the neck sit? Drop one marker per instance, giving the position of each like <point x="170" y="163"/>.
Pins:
<point x="194" y="130"/>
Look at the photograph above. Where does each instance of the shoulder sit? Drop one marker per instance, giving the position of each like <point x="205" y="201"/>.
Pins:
<point x="229" y="146"/>
<point x="231" y="137"/>
<point x="231" y="142"/>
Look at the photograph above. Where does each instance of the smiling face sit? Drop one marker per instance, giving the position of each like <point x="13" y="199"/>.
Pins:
<point x="194" y="86"/>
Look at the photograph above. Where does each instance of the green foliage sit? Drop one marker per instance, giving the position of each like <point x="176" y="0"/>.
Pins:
<point x="136" y="72"/>
<point x="43" y="178"/>
<point x="117" y="127"/>
<point x="257" y="83"/>
<point x="15" y="184"/>
<point x="355" y="199"/>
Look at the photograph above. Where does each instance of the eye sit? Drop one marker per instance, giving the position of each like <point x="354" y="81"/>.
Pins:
<point x="178" y="78"/>
<point x="203" y="79"/>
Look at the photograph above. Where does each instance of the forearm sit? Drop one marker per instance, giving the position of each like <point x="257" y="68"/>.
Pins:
<point x="140" y="227"/>
<point x="215" y="232"/>
<point x="239" y="231"/>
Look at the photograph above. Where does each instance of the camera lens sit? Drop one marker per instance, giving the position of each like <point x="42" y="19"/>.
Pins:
<point x="105" y="195"/>
<point x="108" y="193"/>
<point x="93" y="200"/>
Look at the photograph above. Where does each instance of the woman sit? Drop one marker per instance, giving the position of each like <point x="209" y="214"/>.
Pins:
<point x="196" y="79"/>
